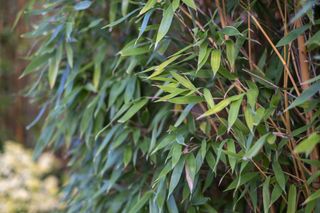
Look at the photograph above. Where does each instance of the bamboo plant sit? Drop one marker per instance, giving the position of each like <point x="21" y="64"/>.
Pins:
<point x="180" y="105"/>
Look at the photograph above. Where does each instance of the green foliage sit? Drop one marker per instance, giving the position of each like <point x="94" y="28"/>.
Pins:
<point x="152" y="124"/>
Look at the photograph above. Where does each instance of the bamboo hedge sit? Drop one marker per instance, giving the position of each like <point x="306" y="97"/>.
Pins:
<point x="180" y="105"/>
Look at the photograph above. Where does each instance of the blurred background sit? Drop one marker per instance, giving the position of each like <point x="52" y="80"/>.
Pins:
<point x="25" y="185"/>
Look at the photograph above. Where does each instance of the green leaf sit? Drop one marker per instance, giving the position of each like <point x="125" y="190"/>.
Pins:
<point x="220" y="106"/>
<point x="69" y="52"/>
<point x="253" y="151"/>
<point x="230" y="31"/>
<point x="176" y="175"/>
<point x="133" y="110"/>
<point x="308" y="144"/>
<point x="252" y="94"/>
<point x="292" y="200"/>
<point x="279" y="175"/>
<point x="141" y="202"/>
<point x="248" y="115"/>
<point x="292" y="35"/>
<point x="209" y="99"/>
<point x="190" y="3"/>
<point x="184" y="81"/>
<point x="266" y="195"/>
<point x="231" y="53"/>
<point x="176" y="153"/>
<point x="190" y="169"/>
<point x="163" y="65"/>
<point x="305" y="96"/>
<point x="276" y="193"/>
<point x="183" y="115"/>
<point x="127" y="155"/>
<point x="186" y="100"/>
<point x="241" y="179"/>
<point x="150" y="4"/>
<point x="215" y="61"/>
<point x="133" y="50"/>
<point x="36" y="62"/>
<point x="216" y="108"/>
<point x="232" y="149"/>
<point x="203" y="53"/>
<point x="312" y="197"/>
<point x="54" y="67"/>
<point x="234" y="112"/>
<point x="165" y="23"/>
<point x="82" y="5"/>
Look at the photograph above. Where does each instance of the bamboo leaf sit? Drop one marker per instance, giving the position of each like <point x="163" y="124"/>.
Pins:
<point x="279" y="175"/>
<point x="133" y="110"/>
<point x="82" y="5"/>
<point x="312" y="197"/>
<point x="308" y="144"/>
<point x="292" y="35"/>
<point x="165" y="23"/>
<point x="141" y="202"/>
<point x="215" y="61"/>
<point x="231" y="31"/>
<point x="176" y="175"/>
<point x="305" y="96"/>
<point x="253" y="151"/>
<point x="234" y="112"/>
<point x="266" y="195"/>
<point x="209" y="99"/>
<point x="150" y="4"/>
<point x="292" y="200"/>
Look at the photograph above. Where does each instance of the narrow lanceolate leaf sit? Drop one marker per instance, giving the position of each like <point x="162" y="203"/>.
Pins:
<point x="216" y="108"/>
<point x="82" y="5"/>
<point x="36" y="62"/>
<point x="232" y="149"/>
<point x="176" y="175"/>
<point x="234" y="112"/>
<point x="231" y="53"/>
<point x="69" y="52"/>
<point x="254" y="150"/>
<point x="220" y="106"/>
<point x="249" y="118"/>
<point x="54" y="67"/>
<point x="160" y="68"/>
<point x="165" y="23"/>
<point x="292" y="200"/>
<point x="183" y="115"/>
<point x="215" y="61"/>
<point x="292" y="35"/>
<point x="312" y="197"/>
<point x="266" y="195"/>
<point x="192" y="99"/>
<point x="203" y="49"/>
<point x="190" y="169"/>
<point x="252" y="94"/>
<point x="176" y="153"/>
<point x="308" y="144"/>
<point x="209" y="99"/>
<point x="279" y="175"/>
<point x="141" y="202"/>
<point x="150" y="4"/>
<point x="133" y="110"/>
<point x="190" y="3"/>
<point x="231" y="31"/>
<point x="184" y="81"/>
<point x="306" y="95"/>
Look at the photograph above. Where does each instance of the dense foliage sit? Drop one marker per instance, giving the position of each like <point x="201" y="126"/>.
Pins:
<point x="181" y="105"/>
